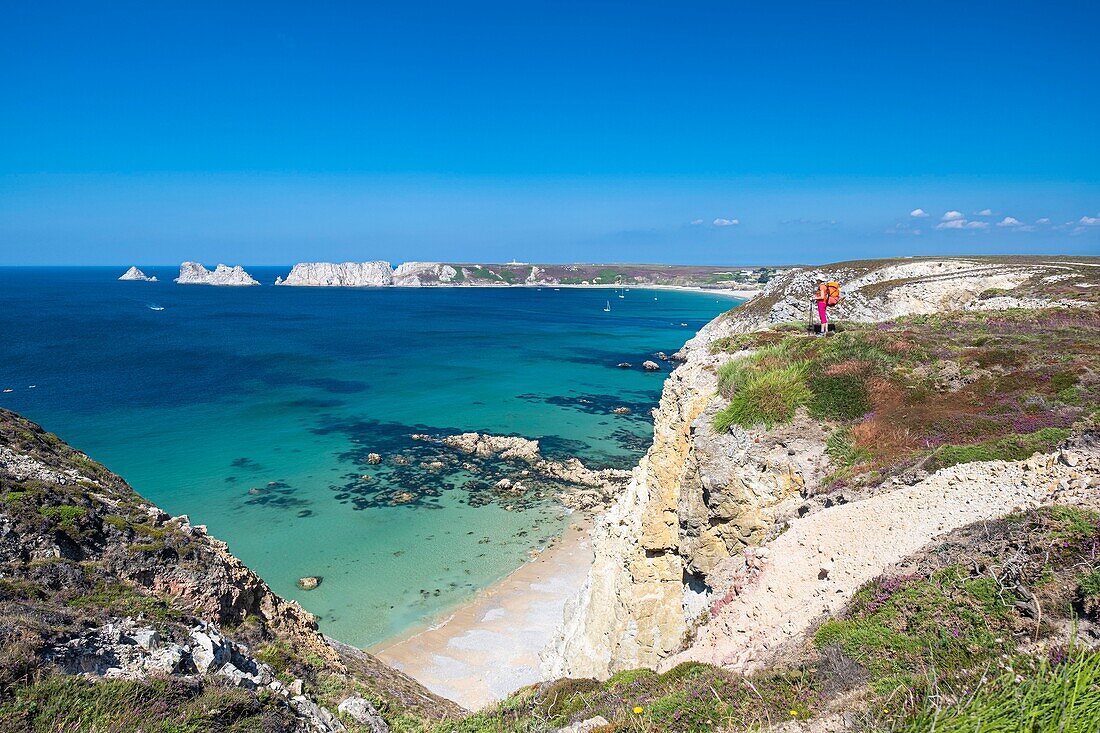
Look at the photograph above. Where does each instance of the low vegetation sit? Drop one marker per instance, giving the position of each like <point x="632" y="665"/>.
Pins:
<point x="926" y="391"/>
<point x="983" y="632"/>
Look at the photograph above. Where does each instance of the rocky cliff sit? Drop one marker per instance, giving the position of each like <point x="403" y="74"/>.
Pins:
<point x="135" y="274"/>
<point x="417" y="274"/>
<point x="435" y="274"/>
<point x="193" y="273"/>
<point x="680" y="538"/>
<point x="104" y="594"/>
<point x="343" y="275"/>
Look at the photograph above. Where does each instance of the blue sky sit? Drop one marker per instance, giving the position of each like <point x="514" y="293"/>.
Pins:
<point x="546" y="131"/>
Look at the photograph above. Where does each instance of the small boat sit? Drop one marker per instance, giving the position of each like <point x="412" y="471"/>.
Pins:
<point x="607" y="308"/>
<point x="31" y="386"/>
<point x="8" y="390"/>
<point x="683" y="324"/>
<point x="156" y="307"/>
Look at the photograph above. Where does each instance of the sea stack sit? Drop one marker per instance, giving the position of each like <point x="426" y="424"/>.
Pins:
<point x="135" y="274"/>
<point x="345" y="275"/>
<point x="192" y="273"/>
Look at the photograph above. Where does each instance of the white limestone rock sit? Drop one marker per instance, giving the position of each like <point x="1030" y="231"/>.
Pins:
<point x="137" y="275"/>
<point x="420" y="274"/>
<point x="344" y="275"/>
<point x="193" y="273"/>
<point x="362" y="712"/>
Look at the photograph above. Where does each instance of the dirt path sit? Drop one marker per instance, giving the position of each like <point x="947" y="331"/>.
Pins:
<point x="816" y="566"/>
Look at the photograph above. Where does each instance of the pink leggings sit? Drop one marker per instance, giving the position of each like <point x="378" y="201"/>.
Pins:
<point x="821" y="306"/>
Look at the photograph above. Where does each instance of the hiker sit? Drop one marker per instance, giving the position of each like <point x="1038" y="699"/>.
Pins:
<point x="828" y="294"/>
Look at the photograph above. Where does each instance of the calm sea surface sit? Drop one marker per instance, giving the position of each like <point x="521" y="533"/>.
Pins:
<point x="253" y="410"/>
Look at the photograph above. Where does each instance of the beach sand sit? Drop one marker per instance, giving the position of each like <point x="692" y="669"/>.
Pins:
<point x="490" y="647"/>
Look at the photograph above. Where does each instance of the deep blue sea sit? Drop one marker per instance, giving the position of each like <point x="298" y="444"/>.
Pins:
<point x="253" y="410"/>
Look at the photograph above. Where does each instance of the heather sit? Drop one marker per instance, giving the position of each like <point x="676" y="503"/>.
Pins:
<point x="922" y="392"/>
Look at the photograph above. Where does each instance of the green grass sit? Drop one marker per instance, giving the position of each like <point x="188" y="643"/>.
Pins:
<point x="766" y="398"/>
<point x="1015" y="447"/>
<point x="69" y="704"/>
<point x="839" y="448"/>
<point x="65" y="516"/>
<point x="125" y="600"/>
<point x="690" y="698"/>
<point x="840" y="397"/>
<point x="1047" y="699"/>
<point x="902" y="630"/>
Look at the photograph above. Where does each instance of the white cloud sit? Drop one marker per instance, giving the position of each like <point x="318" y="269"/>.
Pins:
<point x="918" y="213"/>
<point x="696" y="222"/>
<point x="976" y="225"/>
<point x="1010" y="221"/>
<point x="720" y="222"/>
<point x="1044" y="220"/>
<point x="952" y="224"/>
<point x="985" y="212"/>
<point x="1089" y="221"/>
<point x="952" y="216"/>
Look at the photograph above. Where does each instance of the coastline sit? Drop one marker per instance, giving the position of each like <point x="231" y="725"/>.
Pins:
<point x="490" y="646"/>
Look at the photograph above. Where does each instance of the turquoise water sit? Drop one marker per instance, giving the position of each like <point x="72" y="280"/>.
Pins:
<point x="252" y="410"/>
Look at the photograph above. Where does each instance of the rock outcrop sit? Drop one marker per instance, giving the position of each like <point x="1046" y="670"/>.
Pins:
<point x="815" y="567"/>
<point x="588" y="488"/>
<point x="101" y="583"/>
<point x="344" y="275"/>
<point x="193" y="273"/>
<point x="421" y="274"/>
<point x="135" y="274"/>
<point x="698" y="498"/>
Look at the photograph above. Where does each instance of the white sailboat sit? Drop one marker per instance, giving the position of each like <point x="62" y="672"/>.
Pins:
<point x="607" y="308"/>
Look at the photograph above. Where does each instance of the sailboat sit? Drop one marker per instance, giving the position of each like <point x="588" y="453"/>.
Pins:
<point x="621" y="294"/>
<point x="607" y="308"/>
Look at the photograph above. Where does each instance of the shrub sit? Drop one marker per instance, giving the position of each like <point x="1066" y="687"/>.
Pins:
<point x="766" y="398"/>
<point x="839" y="397"/>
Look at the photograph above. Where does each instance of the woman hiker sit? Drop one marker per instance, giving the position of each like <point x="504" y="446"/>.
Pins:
<point x="824" y="299"/>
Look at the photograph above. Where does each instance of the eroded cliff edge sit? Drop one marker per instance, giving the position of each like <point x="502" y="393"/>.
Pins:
<point x="673" y="545"/>
<point x="107" y="602"/>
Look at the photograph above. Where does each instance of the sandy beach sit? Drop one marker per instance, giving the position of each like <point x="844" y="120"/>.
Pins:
<point x="490" y="647"/>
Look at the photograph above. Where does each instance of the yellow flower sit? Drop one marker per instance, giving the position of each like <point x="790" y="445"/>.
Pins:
<point x="637" y="709"/>
<point x="794" y="713"/>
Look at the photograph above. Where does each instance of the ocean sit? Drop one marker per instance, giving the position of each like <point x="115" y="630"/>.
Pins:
<point x="253" y="411"/>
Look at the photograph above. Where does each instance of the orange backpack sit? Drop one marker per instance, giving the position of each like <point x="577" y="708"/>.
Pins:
<point x="832" y="293"/>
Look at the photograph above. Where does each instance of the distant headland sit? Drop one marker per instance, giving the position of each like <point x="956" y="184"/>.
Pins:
<point x="379" y="273"/>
